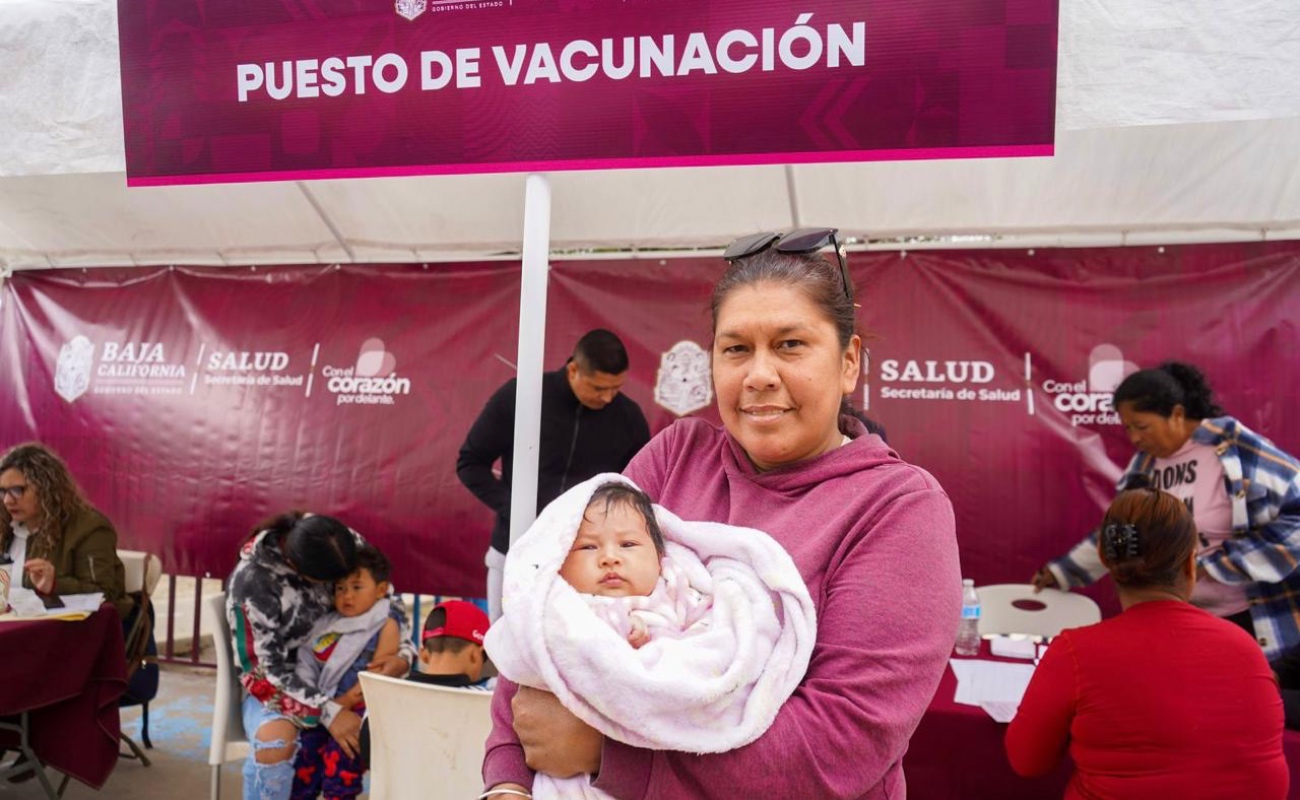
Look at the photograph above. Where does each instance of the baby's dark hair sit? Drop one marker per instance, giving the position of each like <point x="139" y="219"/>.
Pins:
<point x="620" y="494"/>
<point x="372" y="560"/>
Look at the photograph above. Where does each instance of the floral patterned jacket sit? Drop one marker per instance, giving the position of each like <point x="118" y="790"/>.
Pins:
<point x="271" y="610"/>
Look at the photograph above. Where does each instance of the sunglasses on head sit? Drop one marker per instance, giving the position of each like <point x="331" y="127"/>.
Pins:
<point x="801" y="241"/>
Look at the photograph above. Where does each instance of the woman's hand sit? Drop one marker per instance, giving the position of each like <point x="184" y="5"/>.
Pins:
<point x="41" y="573"/>
<point x="346" y="730"/>
<point x="554" y="741"/>
<point x="393" y="666"/>
<point x="351" y="697"/>
<point x="1044" y="579"/>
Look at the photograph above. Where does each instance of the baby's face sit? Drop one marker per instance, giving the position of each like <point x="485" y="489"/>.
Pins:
<point x="357" y="593"/>
<point x="613" y="554"/>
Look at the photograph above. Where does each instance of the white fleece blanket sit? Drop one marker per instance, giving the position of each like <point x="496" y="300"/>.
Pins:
<point x="715" y="686"/>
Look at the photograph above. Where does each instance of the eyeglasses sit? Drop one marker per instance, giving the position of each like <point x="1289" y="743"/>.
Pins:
<point x="803" y="240"/>
<point x="16" y="492"/>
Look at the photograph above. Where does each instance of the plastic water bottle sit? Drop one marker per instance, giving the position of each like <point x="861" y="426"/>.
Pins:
<point x="968" y="635"/>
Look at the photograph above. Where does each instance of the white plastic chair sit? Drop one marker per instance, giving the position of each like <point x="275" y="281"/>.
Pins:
<point x="228" y="740"/>
<point x="425" y="741"/>
<point x="143" y="570"/>
<point x="1013" y="608"/>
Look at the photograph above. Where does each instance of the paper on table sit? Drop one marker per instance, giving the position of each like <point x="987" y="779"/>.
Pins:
<point x="27" y="604"/>
<point x="980" y="682"/>
<point x="1012" y="646"/>
<point x="55" y="615"/>
<point x="1001" y="712"/>
<point x="90" y="601"/>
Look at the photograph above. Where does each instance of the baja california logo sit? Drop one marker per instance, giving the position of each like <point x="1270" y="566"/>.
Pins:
<point x="1088" y="402"/>
<point x="682" y="385"/>
<point x="72" y="372"/>
<point x="410" y="9"/>
<point x="372" y="381"/>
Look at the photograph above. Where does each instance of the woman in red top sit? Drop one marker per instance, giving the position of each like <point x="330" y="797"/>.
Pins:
<point x="1165" y="700"/>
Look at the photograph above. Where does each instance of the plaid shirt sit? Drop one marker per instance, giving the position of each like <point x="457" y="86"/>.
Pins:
<point x="1264" y="551"/>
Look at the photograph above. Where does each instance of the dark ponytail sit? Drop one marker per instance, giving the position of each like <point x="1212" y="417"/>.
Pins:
<point x="1198" y="397"/>
<point x="1173" y="383"/>
<point x="317" y="546"/>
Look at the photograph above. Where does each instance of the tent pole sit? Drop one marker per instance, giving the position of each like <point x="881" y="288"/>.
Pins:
<point x="796" y="219"/>
<point x="532" y="345"/>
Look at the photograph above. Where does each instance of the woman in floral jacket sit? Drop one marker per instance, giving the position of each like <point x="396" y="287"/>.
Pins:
<point x="284" y="583"/>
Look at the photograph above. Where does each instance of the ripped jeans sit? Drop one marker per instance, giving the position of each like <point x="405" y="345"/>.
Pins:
<point x="264" y="781"/>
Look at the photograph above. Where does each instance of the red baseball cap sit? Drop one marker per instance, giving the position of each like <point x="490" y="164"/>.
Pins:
<point x="459" y="618"/>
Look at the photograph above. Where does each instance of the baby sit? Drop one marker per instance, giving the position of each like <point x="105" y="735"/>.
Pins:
<point x="709" y="627"/>
<point x="618" y="552"/>
<point x="337" y="650"/>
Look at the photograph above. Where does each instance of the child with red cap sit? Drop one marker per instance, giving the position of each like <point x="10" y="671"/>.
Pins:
<point x="451" y="651"/>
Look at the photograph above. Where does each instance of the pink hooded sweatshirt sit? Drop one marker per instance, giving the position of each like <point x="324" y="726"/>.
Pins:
<point x="874" y="538"/>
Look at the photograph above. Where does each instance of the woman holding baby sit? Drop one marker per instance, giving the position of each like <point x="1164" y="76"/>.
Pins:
<point x="872" y="537"/>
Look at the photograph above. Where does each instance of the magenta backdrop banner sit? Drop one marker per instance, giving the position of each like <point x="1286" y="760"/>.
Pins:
<point x="193" y="402"/>
<point x="292" y="89"/>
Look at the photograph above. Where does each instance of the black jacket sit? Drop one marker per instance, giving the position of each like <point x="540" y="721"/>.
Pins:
<point x="576" y="443"/>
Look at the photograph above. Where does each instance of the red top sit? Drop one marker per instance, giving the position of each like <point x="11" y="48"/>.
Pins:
<point x="1164" y="700"/>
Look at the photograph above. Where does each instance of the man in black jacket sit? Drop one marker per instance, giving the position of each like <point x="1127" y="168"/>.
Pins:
<point x="587" y="428"/>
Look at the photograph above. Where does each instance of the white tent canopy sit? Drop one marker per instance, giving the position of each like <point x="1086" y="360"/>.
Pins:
<point x="1178" y="120"/>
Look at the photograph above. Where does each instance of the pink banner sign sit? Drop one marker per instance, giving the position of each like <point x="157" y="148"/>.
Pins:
<point x="303" y="89"/>
<point x="192" y="402"/>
